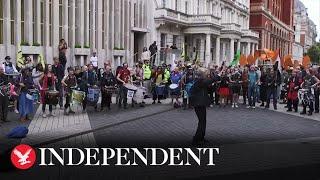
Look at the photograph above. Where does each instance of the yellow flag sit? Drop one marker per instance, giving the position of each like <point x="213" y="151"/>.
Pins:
<point x="20" y="59"/>
<point x="42" y="61"/>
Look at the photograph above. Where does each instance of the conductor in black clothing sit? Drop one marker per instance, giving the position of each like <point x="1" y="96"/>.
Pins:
<point x="200" y="100"/>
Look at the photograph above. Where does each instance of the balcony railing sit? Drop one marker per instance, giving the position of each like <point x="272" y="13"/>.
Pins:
<point x="250" y="33"/>
<point x="187" y="19"/>
<point x="231" y="27"/>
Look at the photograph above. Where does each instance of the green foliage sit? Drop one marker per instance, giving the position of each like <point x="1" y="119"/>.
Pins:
<point x="77" y="46"/>
<point x="86" y="46"/>
<point x="36" y="44"/>
<point x="314" y="53"/>
<point x="118" y="48"/>
<point x="24" y="44"/>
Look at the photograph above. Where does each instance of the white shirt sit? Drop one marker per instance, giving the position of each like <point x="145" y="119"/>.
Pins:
<point x="145" y="55"/>
<point x="94" y="61"/>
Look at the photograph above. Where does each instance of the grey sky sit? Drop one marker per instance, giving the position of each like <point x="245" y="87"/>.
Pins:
<point x="314" y="12"/>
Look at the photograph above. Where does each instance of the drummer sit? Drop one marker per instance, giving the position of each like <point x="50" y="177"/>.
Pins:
<point x="175" y="78"/>
<point x="8" y="66"/>
<point x="123" y="77"/>
<point x="158" y="80"/>
<point x="108" y="80"/>
<point x="25" y="104"/>
<point x="138" y="78"/>
<point x="48" y="83"/>
<point x="58" y="70"/>
<point x="310" y="81"/>
<point x="69" y="82"/>
<point x="187" y="81"/>
<point x="89" y="79"/>
<point x="4" y="100"/>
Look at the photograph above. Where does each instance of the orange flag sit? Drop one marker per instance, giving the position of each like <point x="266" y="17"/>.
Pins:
<point x="251" y="60"/>
<point x="243" y="60"/>
<point x="306" y="61"/>
<point x="275" y="55"/>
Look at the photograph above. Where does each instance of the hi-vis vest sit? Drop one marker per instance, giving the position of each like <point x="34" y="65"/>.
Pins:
<point x="146" y="72"/>
<point x="166" y="75"/>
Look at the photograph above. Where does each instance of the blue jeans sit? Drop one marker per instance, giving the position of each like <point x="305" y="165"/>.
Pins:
<point x="252" y="95"/>
<point x="257" y="93"/>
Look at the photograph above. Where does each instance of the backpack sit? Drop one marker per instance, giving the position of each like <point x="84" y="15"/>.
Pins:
<point x="18" y="132"/>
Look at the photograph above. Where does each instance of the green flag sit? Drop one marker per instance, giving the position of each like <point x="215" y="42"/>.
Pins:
<point x="236" y="59"/>
<point x="183" y="52"/>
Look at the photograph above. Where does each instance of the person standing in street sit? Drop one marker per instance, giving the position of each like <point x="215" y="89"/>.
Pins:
<point x="4" y="100"/>
<point x="199" y="99"/>
<point x="94" y="61"/>
<point x="58" y="71"/>
<point x="153" y="51"/>
<point x="252" y="86"/>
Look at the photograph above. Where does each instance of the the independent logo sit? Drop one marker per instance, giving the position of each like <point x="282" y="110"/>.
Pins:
<point x="23" y="156"/>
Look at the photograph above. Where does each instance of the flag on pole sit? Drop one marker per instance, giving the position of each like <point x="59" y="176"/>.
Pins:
<point x="20" y="59"/>
<point x="236" y="59"/>
<point x="42" y="61"/>
<point x="183" y="52"/>
<point x="278" y="63"/>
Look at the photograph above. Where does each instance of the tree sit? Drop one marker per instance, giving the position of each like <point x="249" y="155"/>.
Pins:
<point x="314" y="54"/>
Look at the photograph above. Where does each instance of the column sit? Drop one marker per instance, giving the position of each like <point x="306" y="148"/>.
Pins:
<point x="253" y="49"/>
<point x="122" y="24"/>
<point x="28" y="21"/>
<point x="223" y="51"/>
<point x="18" y="22"/>
<point x="99" y="25"/>
<point x="231" y="50"/>
<point x="6" y="25"/>
<point x="38" y="21"/>
<point x="93" y="24"/>
<point x="248" y="52"/>
<point x="218" y="51"/>
<point x="106" y="28"/>
<point x="87" y="20"/>
<point x="65" y="17"/>
<point x="72" y="23"/>
<point x="238" y="45"/>
<point x="55" y="27"/>
<point x="46" y="25"/>
<point x="208" y="50"/>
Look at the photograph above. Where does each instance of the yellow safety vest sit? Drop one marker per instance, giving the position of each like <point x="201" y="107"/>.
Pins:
<point x="166" y="75"/>
<point x="146" y="72"/>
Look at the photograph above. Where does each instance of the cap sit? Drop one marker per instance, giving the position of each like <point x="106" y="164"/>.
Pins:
<point x="7" y="57"/>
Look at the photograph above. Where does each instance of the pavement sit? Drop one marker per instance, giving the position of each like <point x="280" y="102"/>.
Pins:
<point x="252" y="142"/>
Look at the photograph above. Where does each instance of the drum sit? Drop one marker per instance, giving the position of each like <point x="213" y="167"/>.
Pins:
<point x="173" y="86"/>
<point x="33" y="94"/>
<point x="109" y="90"/>
<point x="52" y="97"/>
<point x="93" y="95"/>
<point x="160" y="90"/>
<point x="304" y="95"/>
<point x="77" y="96"/>
<point x="131" y="90"/>
<point x="139" y="95"/>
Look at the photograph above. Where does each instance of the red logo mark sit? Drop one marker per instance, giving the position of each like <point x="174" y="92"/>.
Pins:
<point x="23" y="156"/>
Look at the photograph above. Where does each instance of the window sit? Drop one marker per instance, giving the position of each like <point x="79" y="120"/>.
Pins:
<point x="176" y="5"/>
<point x="198" y="7"/>
<point x="12" y="19"/>
<point x="163" y="40"/>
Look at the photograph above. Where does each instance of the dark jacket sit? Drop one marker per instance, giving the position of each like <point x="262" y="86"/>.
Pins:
<point x="58" y="71"/>
<point x="199" y="93"/>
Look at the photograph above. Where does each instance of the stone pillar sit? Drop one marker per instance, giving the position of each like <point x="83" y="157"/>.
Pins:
<point x="18" y="22"/>
<point x="202" y="50"/>
<point x="38" y="21"/>
<point x="223" y="57"/>
<point x="208" y="50"/>
<point x="248" y="52"/>
<point x="46" y="25"/>
<point x="65" y="16"/>
<point x="55" y="28"/>
<point x="93" y="24"/>
<point x="218" y="51"/>
<point x="87" y="20"/>
<point x="99" y="26"/>
<point x="6" y="26"/>
<point x="238" y="45"/>
<point x="28" y="30"/>
<point x="72" y="23"/>
<point x="231" y="50"/>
